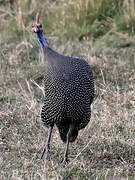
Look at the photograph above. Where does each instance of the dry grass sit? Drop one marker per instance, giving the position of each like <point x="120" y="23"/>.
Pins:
<point x="88" y="18"/>
<point x="103" y="150"/>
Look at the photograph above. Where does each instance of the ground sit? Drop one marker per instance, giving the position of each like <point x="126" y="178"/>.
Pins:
<point x="105" y="149"/>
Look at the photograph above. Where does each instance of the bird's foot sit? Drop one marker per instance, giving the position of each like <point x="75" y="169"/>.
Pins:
<point x="65" y="161"/>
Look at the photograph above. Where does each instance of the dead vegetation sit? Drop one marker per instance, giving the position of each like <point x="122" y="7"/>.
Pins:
<point x="105" y="149"/>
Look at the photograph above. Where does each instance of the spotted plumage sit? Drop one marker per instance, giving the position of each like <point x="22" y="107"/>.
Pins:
<point x="69" y="92"/>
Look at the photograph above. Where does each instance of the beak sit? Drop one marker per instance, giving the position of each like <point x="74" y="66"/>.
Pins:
<point x="34" y="29"/>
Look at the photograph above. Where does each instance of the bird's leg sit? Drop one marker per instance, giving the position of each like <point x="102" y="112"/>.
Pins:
<point x="65" y="158"/>
<point x="47" y="146"/>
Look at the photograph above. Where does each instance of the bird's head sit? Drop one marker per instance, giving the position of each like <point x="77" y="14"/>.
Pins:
<point x="37" y="27"/>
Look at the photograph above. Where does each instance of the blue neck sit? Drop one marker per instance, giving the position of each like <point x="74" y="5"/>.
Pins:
<point x="42" y="40"/>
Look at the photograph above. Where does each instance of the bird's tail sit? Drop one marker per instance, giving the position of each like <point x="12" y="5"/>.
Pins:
<point x="64" y="129"/>
<point x="73" y="133"/>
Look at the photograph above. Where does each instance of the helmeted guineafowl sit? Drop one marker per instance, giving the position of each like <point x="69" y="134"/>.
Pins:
<point x="69" y="92"/>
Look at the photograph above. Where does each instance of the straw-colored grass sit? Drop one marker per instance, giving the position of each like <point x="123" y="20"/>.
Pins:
<point x="105" y="149"/>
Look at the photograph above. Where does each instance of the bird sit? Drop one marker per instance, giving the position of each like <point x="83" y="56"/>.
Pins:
<point x="68" y="93"/>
